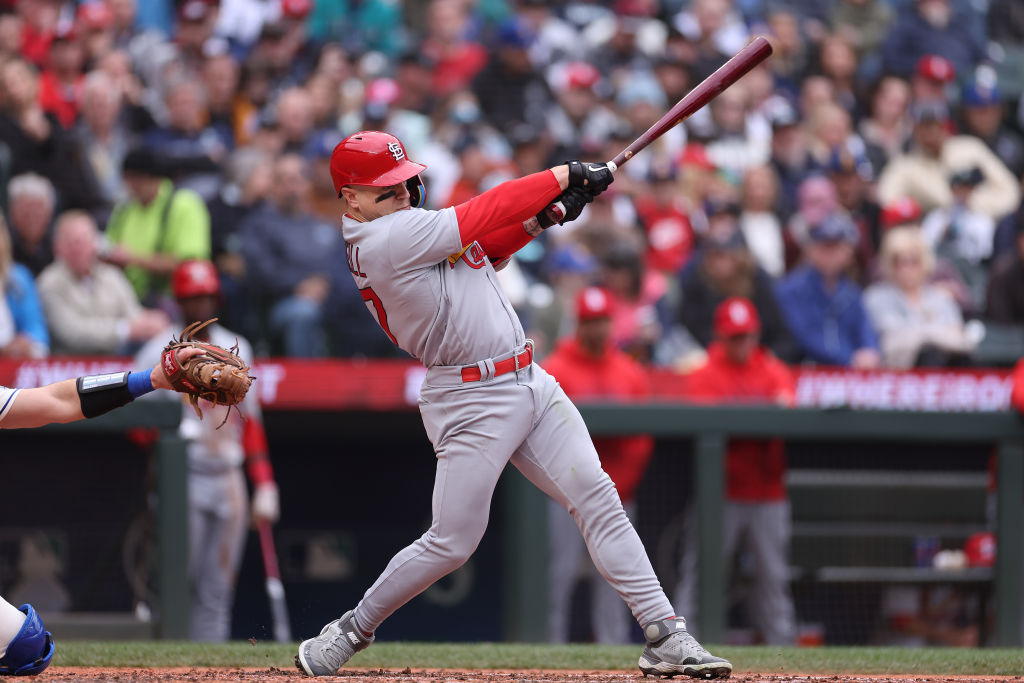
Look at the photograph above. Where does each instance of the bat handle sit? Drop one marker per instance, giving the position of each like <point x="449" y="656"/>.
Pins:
<point x="612" y="166"/>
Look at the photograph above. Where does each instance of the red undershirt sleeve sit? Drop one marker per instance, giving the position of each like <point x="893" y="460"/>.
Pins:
<point x="503" y="242"/>
<point x="254" y="443"/>
<point x="507" y="204"/>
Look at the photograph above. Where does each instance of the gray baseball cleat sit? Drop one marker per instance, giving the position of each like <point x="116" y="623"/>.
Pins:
<point x="328" y="652"/>
<point x="671" y="651"/>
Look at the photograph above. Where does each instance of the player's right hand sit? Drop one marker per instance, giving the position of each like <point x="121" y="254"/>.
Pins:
<point x="594" y="178"/>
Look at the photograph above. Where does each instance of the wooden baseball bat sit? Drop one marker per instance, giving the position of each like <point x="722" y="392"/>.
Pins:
<point x="275" y="589"/>
<point x="738" y="66"/>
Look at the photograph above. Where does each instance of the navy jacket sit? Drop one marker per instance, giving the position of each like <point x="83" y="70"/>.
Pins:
<point x="828" y="327"/>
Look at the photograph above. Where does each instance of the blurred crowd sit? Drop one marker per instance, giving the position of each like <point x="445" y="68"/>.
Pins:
<point x="862" y="187"/>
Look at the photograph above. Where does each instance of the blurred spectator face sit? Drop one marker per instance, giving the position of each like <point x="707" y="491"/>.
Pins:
<point x="830" y="258"/>
<point x="40" y="14"/>
<point x="815" y="92"/>
<point x="830" y="125"/>
<point x="475" y="164"/>
<point x="930" y="135"/>
<point x="838" y="59"/>
<point x="674" y="79"/>
<point x="816" y="198"/>
<point x="185" y="106"/>
<point x="142" y="187"/>
<point x="67" y="56"/>
<point x="786" y="31"/>
<point x="291" y="183"/>
<point x="729" y="110"/>
<point x="446" y="21"/>
<point x="760" y="85"/>
<point x="256" y="81"/>
<point x="124" y="12"/>
<point x="74" y="242"/>
<point x="333" y="64"/>
<point x="710" y="15"/>
<point x="789" y="145"/>
<point x="195" y="25"/>
<point x="760" y="188"/>
<point x="983" y="120"/>
<point x="937" y="13"/>
<point x="324" y="99"/>
<point x="905" y="259"/>
<point x="20" y="84"/>
<point x="101" y="102"/>
<point x="220" y="78"/>
<point x="891" y="100"/>
<point x="10" y="35"/>
<point x="739" y="347"/>
<point x="295" y="114"/>
<point x="30" y="207"/>
<point x="850" y="188"/>
<point x="723" y="263"/>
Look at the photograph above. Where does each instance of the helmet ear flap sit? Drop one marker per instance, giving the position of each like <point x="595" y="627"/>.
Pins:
<point x="417" y="192"/>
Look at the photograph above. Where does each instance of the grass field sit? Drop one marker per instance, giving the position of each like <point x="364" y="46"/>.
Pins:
<point x="935" y="661"/>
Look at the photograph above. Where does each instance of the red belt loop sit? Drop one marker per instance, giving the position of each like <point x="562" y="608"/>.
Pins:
<point x="471" y="373"/>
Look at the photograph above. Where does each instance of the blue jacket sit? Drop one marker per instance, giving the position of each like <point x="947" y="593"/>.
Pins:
<point x="23" y="302"/>
<point x="828" y="327"/>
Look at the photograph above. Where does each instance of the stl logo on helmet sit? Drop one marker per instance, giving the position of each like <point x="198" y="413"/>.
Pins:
<point x="396" y="151"/>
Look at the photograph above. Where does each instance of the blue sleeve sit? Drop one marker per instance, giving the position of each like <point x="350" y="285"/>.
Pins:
<point x="27" y="311"/>
<point x="268" y="268"/>
<point x="898" y="50"/>
<point x="867" y="338"/>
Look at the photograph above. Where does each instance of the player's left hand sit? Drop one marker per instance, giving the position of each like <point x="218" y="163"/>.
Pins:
<point x="594" y="178"/>
<point x="574" y="200"/>
<point x="157" y="375"/>
<point x="266" y="503"/>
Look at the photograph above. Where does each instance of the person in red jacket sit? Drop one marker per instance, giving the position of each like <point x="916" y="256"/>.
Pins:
<point x="590" y="368"/>
<point x="740" y="370"/>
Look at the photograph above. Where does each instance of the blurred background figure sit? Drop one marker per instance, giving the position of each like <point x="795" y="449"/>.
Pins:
<point x="756" y="518"/>
<point x="90" y="306"/>
<point x="31" y="201"/>
<point x="219" y="513"/>
<point x="918" y="324"/>
<point x="23" y="332"/>
<point x="589" y="367"/>
<point x="822" y="306"/>
<point x="157" y="228"/>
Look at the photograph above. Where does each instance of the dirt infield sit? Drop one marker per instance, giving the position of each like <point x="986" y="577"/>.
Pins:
<point x="288" y="675"/>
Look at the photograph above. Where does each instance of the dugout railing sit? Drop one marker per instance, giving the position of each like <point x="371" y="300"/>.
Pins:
<point x="709" y="427"/>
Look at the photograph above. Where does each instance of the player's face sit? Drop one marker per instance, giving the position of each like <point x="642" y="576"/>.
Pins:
<point x="367" y="202"/>
<point x="739" y="347"/>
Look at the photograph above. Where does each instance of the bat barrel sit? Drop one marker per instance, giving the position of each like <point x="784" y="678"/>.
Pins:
<point x="736" y="68"/>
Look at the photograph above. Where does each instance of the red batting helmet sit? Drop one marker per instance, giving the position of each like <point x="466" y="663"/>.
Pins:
<point x="195" y="278"/>
<point x="371" y="157"/>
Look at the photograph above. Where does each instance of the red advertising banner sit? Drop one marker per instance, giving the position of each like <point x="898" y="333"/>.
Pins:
<point x="336" y="384"/>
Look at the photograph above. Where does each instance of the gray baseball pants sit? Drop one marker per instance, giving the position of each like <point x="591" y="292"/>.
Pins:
<point x="476" y="428"/>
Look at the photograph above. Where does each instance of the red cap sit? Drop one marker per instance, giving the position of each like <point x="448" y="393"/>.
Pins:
<point x="592" y="303"/>
<point x="296" y="9"/>
<point x="736" y="315"/>
<point x="694" y="154"/>
<point x="195" y="278"/>
<point x="936" y="68"/>
<point x="94" y="15"/>
<point x="904" y="210"/>
<point x="581" y="75"/>
<point x="980" y="549"/>
<point x="371" y="157"/>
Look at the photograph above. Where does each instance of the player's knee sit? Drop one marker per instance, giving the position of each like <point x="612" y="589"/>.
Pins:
<point x="456" y="551"/>
<point x="31" y="650"/>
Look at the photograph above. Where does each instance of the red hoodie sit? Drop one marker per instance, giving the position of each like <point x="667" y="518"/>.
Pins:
<point x="611" y="376"/>
<point x="755" y="470"/>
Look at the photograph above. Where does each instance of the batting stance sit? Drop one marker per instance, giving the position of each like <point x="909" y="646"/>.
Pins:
<point x="26" y="647"/>
<point x="428" y="278"/>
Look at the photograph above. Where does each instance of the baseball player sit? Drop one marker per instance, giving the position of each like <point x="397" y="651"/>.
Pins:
<point x="428" y="278"/>
<point x="756" y="515"/>
<point x="26" y="647"/>
<point x="218" y="508"/>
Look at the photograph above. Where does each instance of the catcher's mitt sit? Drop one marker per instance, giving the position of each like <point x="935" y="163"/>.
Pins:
<point x="219" y="375"/>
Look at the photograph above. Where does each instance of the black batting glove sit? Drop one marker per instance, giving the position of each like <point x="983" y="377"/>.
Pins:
<point x="594" y="178"/>
<point x="574" y="199"/>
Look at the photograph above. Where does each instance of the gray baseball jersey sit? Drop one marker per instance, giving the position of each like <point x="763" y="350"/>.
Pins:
<point x="443" y="304"/>
<point x="7" y="397"/>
